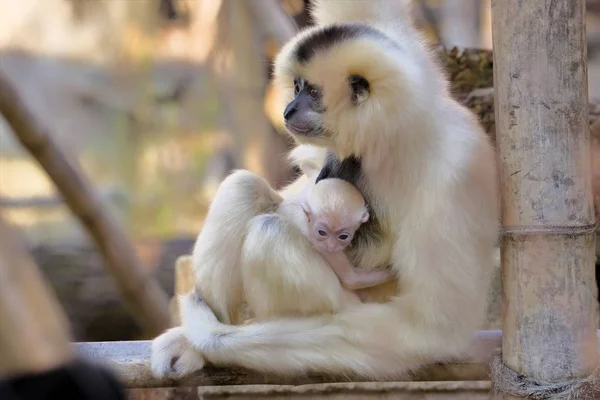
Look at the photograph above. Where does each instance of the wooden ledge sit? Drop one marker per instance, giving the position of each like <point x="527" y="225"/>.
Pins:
<point x="131" y="361"/>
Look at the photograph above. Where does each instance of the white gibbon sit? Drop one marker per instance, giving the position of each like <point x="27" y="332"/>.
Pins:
<point x="366" y="97"/>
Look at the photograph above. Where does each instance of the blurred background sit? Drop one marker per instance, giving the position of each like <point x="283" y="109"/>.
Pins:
<point x="158" y="100"/>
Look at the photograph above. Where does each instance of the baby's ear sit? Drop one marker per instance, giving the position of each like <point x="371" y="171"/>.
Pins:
<point x="365" y="216"/>
<point x="306" y="209"/>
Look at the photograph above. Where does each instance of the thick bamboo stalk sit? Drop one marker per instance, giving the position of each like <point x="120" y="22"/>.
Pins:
<point x="461" y="23"/>
<point x="33" y="329"/>
<point x="235" y="58"/>
<point x="147" y="301"/>
<point x="542" y="136"/>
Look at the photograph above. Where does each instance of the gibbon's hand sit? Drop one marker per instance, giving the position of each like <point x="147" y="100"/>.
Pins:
<point x="173" y="357"/>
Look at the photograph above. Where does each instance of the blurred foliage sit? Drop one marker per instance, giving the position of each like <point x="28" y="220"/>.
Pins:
<point x="469" y="69"/>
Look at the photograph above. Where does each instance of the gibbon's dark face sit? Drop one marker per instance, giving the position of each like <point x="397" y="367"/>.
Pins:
<point x="304" y="115"/>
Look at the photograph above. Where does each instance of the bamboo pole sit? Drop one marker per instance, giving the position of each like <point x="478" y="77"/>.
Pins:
<point x="147" y="301"/>
<point x="541" y="106"/>
<point x="233" y="52"/>
<point x="461" y="23"/>
<point x="273" y="20"/>
<point x="33" y="329"/>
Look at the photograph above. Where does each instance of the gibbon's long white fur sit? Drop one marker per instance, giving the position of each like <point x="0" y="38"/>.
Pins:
<point x="368" y="89"/>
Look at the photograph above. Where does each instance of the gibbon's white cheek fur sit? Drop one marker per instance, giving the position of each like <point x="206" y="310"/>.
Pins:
<point x="428" y="172"/>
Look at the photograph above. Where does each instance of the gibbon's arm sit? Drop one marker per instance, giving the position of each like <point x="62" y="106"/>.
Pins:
<point x="353" y="278"/>
<point x="240" y="197"/>
<point x="283" y="276"/>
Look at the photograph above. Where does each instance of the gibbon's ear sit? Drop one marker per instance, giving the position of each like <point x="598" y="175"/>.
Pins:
<point x="365" y="217"/>
<point x="360" y="89"/>
<point x="306" y="210"/>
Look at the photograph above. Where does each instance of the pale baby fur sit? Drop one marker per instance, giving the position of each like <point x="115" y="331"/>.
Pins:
<point x="433" y="185"/>
<point x="337" y="201"/>
<point x="291" y="279"/>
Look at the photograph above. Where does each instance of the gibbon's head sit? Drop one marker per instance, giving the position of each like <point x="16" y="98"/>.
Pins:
<point x="346" y="85"/>
<point x="334" y="209"/>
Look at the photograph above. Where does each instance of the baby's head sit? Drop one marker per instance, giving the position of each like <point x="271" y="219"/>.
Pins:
<point x="335" y="209"/>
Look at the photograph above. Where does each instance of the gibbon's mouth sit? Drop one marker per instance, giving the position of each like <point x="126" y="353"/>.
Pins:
<point x="296" y="130"/>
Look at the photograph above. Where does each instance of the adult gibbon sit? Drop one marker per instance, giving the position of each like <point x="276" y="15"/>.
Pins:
<point x="366" y="95"/>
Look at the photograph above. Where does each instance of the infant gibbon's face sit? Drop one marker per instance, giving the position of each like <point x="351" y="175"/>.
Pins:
<point x="334" y="211"/>
<point x="331" y="234"/>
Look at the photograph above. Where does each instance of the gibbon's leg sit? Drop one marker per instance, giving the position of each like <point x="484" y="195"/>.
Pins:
<point x="283" y="276"/>
<point x="372" y="340"/>
<point x="240" y="197"/>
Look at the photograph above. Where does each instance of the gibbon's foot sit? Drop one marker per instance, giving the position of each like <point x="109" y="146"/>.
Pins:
<point x="173" y="357"/>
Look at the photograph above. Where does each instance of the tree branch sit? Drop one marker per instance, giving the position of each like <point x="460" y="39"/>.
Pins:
<point x="141" y="293"/>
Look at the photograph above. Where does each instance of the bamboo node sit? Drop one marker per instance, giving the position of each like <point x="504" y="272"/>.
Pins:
<point x="512" y="231"/>
<point x="508" y="382"/>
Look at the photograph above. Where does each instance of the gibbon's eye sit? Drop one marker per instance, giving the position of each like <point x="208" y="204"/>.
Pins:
<point x="343" y="237"/>
<point x="360" y="89"/>
<point x="321" y="232"/>
<point x="314" y="93"/>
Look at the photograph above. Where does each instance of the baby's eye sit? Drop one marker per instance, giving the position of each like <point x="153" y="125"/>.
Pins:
<point x="321" y="232"/>
<point x="343" y="237"/>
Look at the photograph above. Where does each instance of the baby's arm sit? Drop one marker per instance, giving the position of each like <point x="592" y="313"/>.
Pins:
<point x="352" y="278"/>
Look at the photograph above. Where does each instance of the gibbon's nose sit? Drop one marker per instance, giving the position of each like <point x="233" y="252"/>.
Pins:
<point x="290" y="110"/>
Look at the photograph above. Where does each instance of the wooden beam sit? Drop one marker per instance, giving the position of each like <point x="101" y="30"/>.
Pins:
<point x="131" y="361"/>
<point x="331" y="391"/>
<point x="548" y="251"/>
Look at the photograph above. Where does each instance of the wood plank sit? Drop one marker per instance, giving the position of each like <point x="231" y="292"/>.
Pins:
<point x="131" y="361"/>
